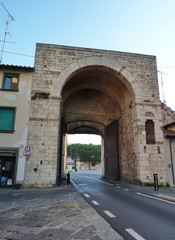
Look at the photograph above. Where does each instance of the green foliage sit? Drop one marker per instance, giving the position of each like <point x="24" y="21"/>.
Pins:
<point x="148" y="184"/>
<point x="85" y="152"/>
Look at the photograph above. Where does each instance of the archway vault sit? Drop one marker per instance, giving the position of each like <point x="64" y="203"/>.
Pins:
<point x="94" y="99"/>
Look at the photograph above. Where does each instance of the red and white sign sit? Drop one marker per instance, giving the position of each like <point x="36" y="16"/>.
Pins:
<point x="27" y="148"/>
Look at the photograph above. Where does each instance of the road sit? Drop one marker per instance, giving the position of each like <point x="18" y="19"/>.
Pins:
<point x="132" y="214"/>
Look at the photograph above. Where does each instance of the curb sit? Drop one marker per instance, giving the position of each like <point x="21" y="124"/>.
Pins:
<point x="168" y="198"/>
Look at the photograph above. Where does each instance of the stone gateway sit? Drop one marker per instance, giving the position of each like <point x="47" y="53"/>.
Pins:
<point x="113" y="94"/>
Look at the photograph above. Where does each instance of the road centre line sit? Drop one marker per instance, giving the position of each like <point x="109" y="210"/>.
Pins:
<point x="109" y="214"/>
<point x="126" y="189"/>
<point x="86" y="195"/>
<point x="134" y="234"/>
<point x="10" y="208"/>
<point x="156" y="198"/>
<point x="110" y="184"/>
<point x="95" y="203"/>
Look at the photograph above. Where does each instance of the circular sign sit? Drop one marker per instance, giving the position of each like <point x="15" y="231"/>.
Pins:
<point x="27" y="148"/>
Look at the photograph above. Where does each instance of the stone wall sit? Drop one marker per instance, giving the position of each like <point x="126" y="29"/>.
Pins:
<point x="54" y="66"/>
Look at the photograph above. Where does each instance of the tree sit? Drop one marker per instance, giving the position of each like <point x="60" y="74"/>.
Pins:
<point x="85" y="152"/>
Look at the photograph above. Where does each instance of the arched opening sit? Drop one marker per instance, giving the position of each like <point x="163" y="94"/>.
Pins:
<point x="98" y="100"/>
<point x="84" y="154"/>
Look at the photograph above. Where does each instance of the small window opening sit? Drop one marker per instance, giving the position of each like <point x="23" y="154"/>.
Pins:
<point x="10" y="82"/>
<point x="150" y="133"/>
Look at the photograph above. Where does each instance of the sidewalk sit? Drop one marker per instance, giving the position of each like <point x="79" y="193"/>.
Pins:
<point x="52" y="214"/>
<point x="165" y="193"/>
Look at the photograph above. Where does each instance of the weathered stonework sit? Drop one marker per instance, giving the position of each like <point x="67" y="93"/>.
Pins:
<point x="87" y="90"/>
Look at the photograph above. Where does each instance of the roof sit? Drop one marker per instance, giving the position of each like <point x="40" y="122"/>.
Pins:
<point x="169" y="133"/>
<point x="169" y="125"/>
<point x="168" y="129"/>
<point x="15" y="67"/>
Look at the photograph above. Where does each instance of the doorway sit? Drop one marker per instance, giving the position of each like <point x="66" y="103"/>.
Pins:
<point x="83" y="155"/>
<point x="7" y="167"/>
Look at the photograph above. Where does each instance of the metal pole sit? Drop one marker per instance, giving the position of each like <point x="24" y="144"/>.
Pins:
<point x="156" y="186"/>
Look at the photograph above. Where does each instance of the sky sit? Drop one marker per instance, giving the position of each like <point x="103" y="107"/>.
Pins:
<point x="135" y="26"/>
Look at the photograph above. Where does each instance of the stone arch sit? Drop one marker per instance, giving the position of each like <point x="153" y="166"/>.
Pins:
<point x="114" y="89"/>
<point x="130" y="81"/>
<point x="149" y="114"/>
<point x="124" y="82"/>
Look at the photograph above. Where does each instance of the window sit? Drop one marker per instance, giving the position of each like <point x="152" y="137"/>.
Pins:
<point x="11" y="82"/>
<point x="150" y="134"/>
<point x="92" y="163"/>
<point x="7" y="117"/>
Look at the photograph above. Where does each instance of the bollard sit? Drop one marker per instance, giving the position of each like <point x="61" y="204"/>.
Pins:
<point x="68" y="178"/>
<point x="156" y="186"/>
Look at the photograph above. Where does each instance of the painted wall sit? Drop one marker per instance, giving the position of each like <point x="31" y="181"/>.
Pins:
<point x="170" y="160"/>
<point x="88" y="166"/>
<point x="21" y="101"/>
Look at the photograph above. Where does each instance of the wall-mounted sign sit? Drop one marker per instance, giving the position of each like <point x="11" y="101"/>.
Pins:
<point x="27" y="151"/>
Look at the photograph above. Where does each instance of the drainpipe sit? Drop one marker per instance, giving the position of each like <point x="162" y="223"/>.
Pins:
<point x="171" y="157"/>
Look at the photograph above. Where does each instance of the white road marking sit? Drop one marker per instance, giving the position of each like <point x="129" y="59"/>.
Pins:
<point x="86" y="195"/>
<point x="95" y="203"/>
<point x="109" y="214"/>
<point x="110" y="184"/>
<point x="118" y="187"/>
<point x="156" y="198"/>
<point x="82" y="184"/>
<point x="134" y="234"/>
<point x="126" y="189"/>
<point x="10" y="208"/>
<point x="74" y="184"/>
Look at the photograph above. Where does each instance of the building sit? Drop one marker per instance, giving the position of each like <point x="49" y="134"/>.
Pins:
<point x="169" y="135"/>
<point x="15" y="96"/>
<point x="110" y="93"/>
<point x="82" y="90"/>
<point x="91" y="166"/>
<point x="70" y="165"/>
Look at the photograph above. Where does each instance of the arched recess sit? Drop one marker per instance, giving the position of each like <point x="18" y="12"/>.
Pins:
<point x="101" y="61"/>
<point x="96" y="99"/>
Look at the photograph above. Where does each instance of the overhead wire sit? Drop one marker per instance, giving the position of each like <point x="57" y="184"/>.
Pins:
<point x="21" y="54"/>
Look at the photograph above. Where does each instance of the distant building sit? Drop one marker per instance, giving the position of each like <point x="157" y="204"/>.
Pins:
<point x="15" y="95"/>
<point x="169" y="134"/>
<point x="91" y="166"/>
<point x="70" y="165"/>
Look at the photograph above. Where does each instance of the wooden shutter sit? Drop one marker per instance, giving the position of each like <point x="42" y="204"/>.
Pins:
<point x="7" y="116"/>
<point x="150" y="133"/>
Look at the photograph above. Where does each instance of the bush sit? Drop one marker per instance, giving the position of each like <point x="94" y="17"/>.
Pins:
<point x="148" y="184"/>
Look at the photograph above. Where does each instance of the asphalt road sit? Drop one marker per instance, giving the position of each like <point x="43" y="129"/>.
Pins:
<point x="132" y="214"/>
